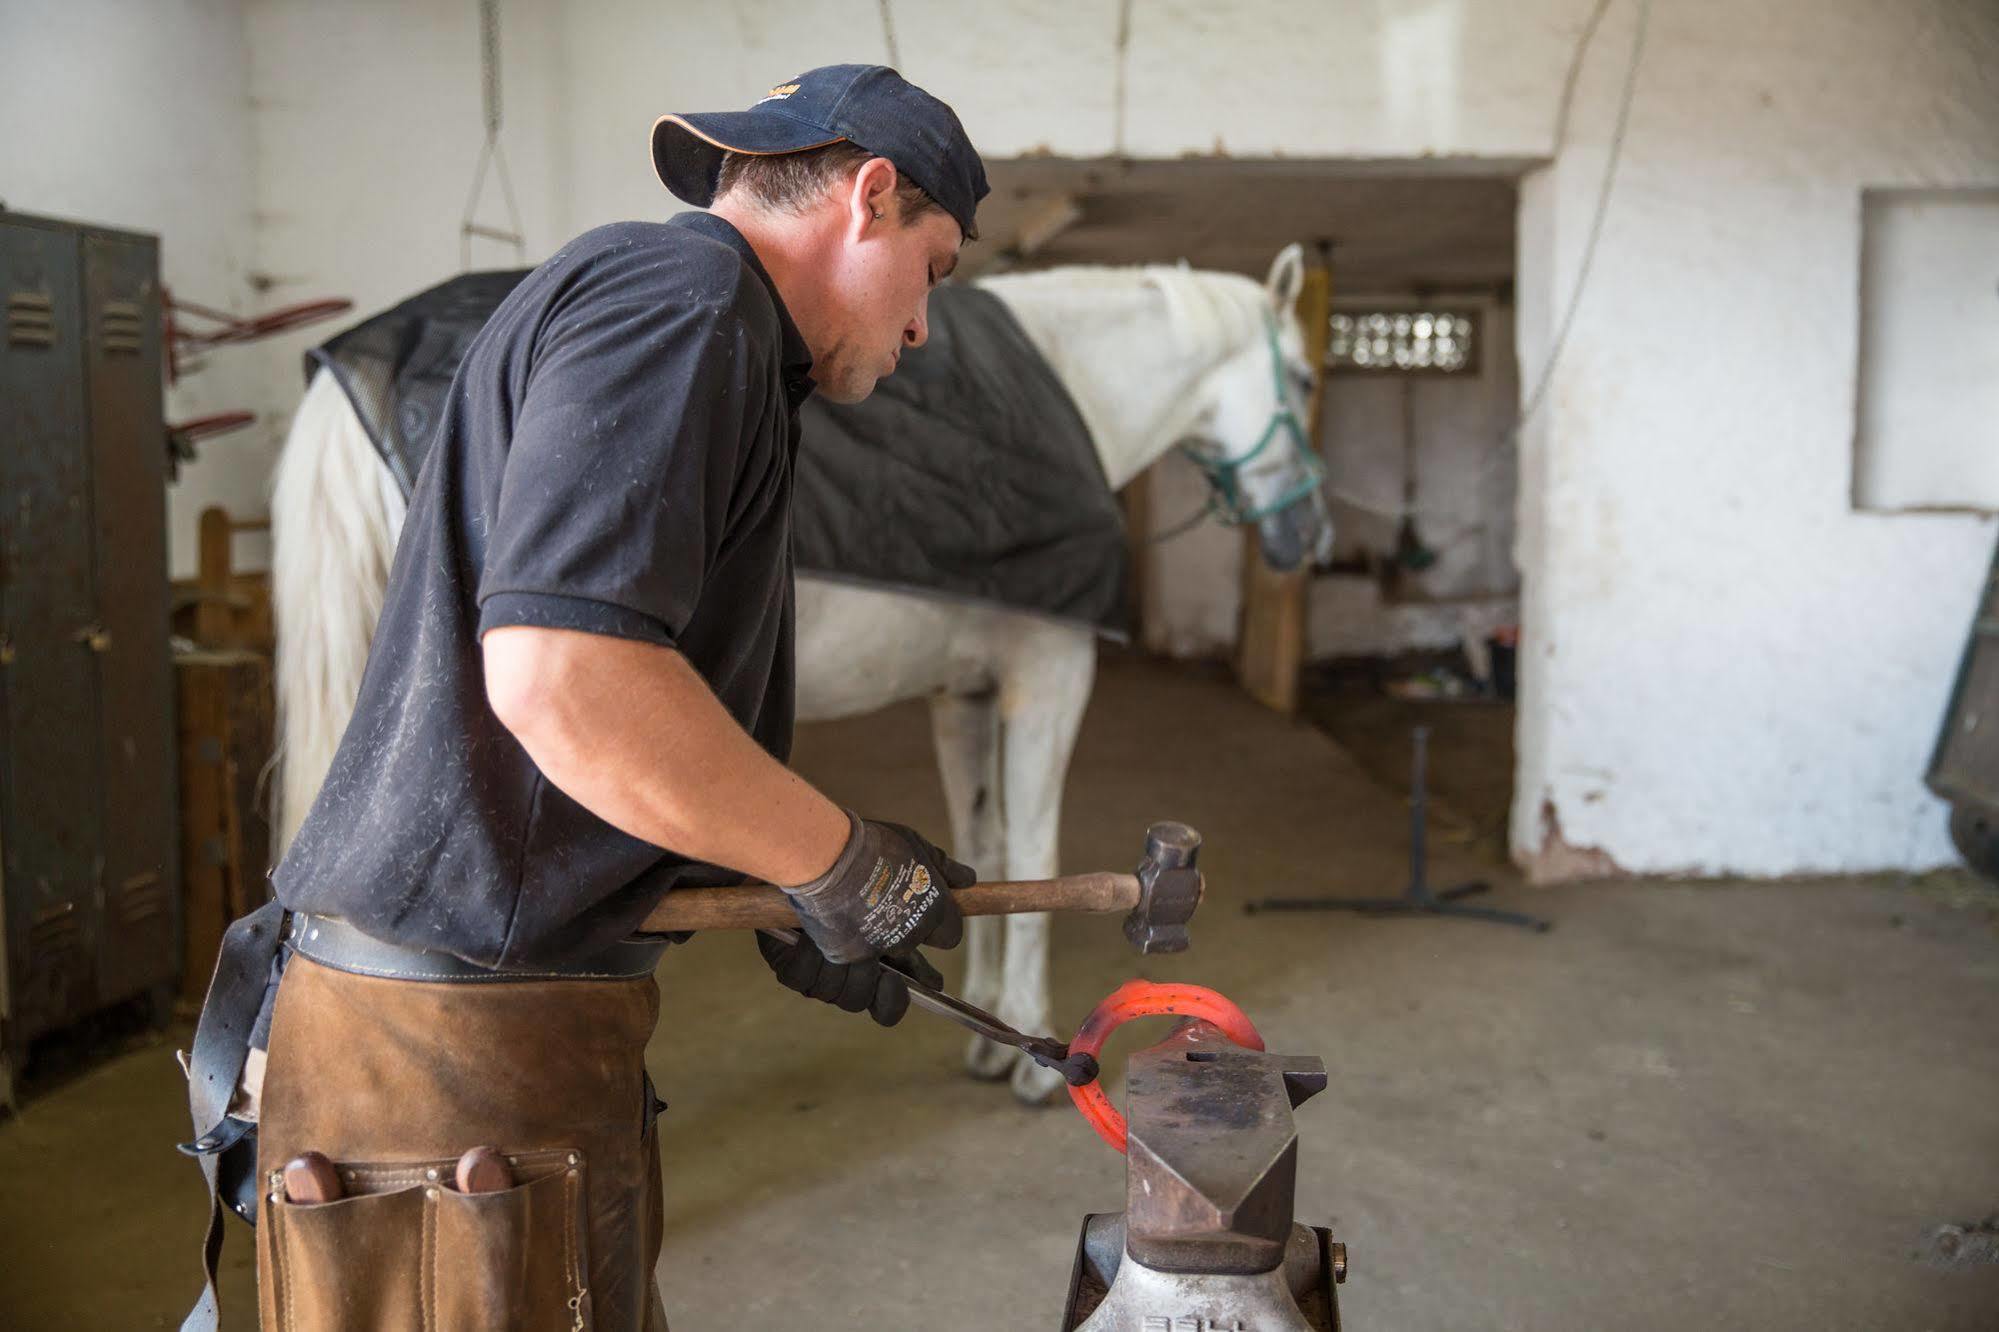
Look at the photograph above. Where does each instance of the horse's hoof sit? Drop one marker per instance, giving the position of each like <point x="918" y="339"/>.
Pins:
<point x="989" y="1061"/>
<point x="1035" y="1085"/>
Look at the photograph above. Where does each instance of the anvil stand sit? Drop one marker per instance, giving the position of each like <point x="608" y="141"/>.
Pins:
<point x="1420" y="899"/>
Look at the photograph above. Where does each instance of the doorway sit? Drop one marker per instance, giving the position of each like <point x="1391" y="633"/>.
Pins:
<point x="1415" y="616"/>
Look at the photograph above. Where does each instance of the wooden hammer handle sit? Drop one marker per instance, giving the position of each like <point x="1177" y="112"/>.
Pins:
<point x="761" y="907"/>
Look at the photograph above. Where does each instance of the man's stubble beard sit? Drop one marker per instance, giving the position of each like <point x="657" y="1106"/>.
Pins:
<point x="843" y="381"/>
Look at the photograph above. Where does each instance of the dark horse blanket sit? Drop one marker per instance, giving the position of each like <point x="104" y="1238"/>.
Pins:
<point x="974" y="430"/>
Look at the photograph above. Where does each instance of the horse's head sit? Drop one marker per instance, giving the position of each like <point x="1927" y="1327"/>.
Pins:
<point x="1251" y="433"/>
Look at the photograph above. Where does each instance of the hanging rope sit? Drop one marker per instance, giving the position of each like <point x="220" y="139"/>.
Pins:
<point x="490" y="153"/>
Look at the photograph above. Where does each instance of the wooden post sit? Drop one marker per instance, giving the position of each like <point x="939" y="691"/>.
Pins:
<point x="212" y="566"/>
<point x="1136" y="500"/>
<point x="1270" y="650"/>
<point x="230" y="608"/>
<point x="226" y="738"/>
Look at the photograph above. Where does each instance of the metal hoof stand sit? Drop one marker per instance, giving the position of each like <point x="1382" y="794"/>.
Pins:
<point x="1420" y="899"/>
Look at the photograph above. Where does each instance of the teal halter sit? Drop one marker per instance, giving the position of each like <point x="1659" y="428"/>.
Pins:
<point x="1229" y="503"/>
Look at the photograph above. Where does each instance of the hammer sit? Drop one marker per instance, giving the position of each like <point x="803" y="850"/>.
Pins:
<point x="1158" y="899"/>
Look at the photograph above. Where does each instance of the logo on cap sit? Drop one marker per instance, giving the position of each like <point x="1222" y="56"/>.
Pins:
<point x="777" y="94"/>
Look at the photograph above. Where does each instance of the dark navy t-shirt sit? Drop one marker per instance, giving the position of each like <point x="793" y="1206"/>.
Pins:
<point x="615" y="456"/>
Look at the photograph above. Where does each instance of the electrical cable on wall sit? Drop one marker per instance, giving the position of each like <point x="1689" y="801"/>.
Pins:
<point x="888" y="35"/>
<point x="1510" y="439"/>
<point x="1118" y="83"/>
<point x="1602" y="198"/>
<point x="1574" y="76"/>
<point x="490" y="152"/>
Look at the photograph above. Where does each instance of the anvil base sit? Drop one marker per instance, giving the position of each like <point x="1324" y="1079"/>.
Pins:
<point x="1110" y="1291"/>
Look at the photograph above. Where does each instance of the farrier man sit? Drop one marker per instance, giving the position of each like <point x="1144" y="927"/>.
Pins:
<point x="579" y="697"/>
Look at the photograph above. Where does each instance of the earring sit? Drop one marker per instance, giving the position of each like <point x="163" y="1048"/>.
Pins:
<point x="877" y="212"/>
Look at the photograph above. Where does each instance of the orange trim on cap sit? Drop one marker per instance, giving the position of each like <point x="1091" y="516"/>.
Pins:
<point x="730" y="147"/>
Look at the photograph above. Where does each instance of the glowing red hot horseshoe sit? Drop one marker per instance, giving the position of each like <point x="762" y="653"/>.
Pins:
<point x="1143" y="998"/>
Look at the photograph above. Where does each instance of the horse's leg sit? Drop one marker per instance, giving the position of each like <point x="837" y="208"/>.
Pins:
<point x="965" y="728"/>
<point x="1042" y="698"/>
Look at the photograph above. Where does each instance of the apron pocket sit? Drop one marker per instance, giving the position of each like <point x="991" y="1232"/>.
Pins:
<point x="356" y="1262"/>
<point x="403" y="1249"/>
<point x="515" y="1259"/>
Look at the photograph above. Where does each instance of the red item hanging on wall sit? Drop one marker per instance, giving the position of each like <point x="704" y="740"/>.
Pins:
<point x="185" y="340"/>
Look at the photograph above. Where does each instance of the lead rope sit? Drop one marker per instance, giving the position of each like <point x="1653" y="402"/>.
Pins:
<point x="1187" y="524"/>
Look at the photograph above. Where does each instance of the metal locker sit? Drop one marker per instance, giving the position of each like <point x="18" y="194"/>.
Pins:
<point x="127" y="640"/>
<point x="89" y="893"/>
<point x="48" y="818"/>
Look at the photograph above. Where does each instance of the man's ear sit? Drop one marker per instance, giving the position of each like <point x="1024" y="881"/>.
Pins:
<point x="870" y="196"/>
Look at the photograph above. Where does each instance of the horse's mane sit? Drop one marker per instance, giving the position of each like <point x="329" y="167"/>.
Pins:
<point x="1213" y="314"/>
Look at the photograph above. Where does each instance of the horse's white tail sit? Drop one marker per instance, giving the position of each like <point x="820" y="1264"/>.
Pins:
<point x="335" y="516"/>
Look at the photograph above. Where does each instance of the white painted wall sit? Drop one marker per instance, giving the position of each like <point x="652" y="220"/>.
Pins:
<point x="368" y="120"/>
<point x="137" y="115"/>
<point x="1727" y="668"/>
<point x="369" y="124"/>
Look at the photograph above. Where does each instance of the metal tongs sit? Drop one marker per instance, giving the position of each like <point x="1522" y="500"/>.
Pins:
<point x="1076" y="1069"/>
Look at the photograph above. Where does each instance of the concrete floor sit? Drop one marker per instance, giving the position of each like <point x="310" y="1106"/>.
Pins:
<point x="1722" y="1105"/>
<point x="1470" y="768"/>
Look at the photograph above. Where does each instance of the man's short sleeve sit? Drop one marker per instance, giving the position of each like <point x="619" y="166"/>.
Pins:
<point x="639" y="413"/>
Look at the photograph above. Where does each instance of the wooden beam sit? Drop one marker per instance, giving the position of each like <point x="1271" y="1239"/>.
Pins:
<point x="1136" y="500"/>
<point x="1044" y="222"/>
<point x="1270" y="648"/>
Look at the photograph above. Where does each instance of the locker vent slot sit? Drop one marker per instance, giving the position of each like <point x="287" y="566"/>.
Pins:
<point x="31" y="319"/>
<point x="55" y="938"/>
<point x="142" y="897"/>
<point x="124" y="327"/>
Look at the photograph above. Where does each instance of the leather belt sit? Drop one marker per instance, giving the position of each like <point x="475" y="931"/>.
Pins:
<point x="333" y="942"/>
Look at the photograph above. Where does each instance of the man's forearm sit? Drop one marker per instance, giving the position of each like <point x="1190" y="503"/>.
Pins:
<point x="631" y="732"/>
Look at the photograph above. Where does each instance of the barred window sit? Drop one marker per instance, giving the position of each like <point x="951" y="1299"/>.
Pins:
<point x="1404" y="341"/>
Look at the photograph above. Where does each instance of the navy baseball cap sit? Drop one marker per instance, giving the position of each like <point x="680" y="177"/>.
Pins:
<point x="871" y="106"/>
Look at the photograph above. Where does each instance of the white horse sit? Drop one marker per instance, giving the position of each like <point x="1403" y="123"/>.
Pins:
<point x="1152" y="356"/>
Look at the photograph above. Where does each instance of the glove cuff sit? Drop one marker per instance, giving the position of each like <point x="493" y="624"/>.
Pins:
<point x="843" y="864"/>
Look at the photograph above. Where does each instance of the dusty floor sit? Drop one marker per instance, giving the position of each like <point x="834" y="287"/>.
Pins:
<point x="1726" y="1106"/>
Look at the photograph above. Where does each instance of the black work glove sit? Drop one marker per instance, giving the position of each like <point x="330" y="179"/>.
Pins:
<point x="888" y="893"/>
<point x="854" y="986"/>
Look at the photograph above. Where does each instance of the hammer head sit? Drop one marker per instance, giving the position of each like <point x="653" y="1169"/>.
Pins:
<point x="1169" y="888"/>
